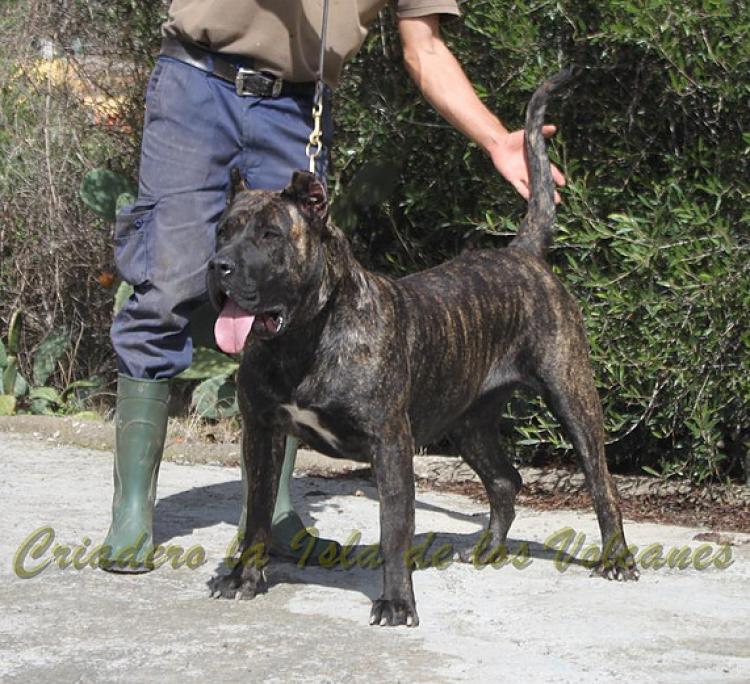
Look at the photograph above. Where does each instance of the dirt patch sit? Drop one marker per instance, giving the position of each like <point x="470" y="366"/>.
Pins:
<point x="713" y="508"/>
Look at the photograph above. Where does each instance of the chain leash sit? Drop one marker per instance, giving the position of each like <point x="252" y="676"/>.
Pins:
<point x="315" y="144"/>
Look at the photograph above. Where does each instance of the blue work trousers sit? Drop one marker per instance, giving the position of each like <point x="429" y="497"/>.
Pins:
<point x="196" y="129"/>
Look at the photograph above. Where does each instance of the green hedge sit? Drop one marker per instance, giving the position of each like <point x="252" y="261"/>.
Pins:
<point x="653" y="231"/>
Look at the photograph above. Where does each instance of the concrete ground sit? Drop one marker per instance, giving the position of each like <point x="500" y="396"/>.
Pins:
<point x="536" y="623"/>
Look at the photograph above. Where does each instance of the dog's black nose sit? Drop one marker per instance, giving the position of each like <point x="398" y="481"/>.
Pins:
<point x="222" y="264"/>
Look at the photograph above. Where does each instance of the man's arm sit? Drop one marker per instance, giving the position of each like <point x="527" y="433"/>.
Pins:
<point x="443" y="82"/>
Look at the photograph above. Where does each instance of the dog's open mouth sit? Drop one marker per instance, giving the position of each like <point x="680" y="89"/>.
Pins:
<point x="235" y="324"/>
<point x="269" y="322"/>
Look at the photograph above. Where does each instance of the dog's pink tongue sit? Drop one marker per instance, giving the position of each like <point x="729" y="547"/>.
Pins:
<point x="232" y="328"/>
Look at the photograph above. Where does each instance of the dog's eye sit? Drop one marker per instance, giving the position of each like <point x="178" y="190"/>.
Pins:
<point x="269" y="234"/>
<point x="227" y="228"/>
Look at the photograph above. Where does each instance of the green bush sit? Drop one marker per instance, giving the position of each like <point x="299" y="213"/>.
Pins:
<point x="653" y="231"/>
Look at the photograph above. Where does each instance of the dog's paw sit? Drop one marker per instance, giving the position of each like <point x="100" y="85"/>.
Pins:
<point x="393" y="612"/>
<point x="241" y="583"/>
<point x="620" y="572"/>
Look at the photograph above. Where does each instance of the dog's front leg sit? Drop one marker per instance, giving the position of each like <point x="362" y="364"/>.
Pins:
<point x="394" y="475"/>
<point x="262" y="457"/>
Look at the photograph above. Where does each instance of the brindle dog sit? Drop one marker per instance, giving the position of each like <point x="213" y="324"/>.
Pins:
<point x="357" y="364"/>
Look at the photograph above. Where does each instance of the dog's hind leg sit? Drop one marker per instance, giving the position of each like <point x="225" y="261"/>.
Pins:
<point x="571" y="395"/>
<point x="477" y="436"/>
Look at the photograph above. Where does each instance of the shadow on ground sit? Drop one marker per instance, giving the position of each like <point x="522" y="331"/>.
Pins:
<point x="181" y="514"/>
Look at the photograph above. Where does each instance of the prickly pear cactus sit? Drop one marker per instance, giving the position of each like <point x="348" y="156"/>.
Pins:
<point x="216" y="398"/>
<point x="124" y="292"/>
<point x="7" y="404"/>
<point x="48" y="354"/>
<point x="104" y="192"/>
<point x="9" y="378"/>
<point x="10" y="365"/>
<point x="7" y="401"/>
<point x="14" y="332"/>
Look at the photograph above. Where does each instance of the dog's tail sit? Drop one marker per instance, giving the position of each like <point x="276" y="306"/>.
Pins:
<point x="536" y="230"/>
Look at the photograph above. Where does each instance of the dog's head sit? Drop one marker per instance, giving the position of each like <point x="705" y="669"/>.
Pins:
<point x="270" y="270"/>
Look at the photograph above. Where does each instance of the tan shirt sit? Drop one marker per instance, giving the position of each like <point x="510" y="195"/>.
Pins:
<point x="283" y="36"/>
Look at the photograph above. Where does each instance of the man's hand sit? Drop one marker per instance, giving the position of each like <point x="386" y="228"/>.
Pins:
<point x="443" y="82"/>
<point x="509" y="158"/>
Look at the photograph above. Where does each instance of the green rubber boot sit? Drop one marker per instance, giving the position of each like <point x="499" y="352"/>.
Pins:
<point x="141" y="426"/>
<point x="291" y="539"/>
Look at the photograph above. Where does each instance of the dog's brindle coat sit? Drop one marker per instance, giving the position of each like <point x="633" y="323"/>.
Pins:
<point x="364" y="365"/>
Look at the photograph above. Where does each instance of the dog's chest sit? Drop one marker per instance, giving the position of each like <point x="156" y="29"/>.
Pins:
<point x="329" y="431"/>
<point x="310" y="419"/>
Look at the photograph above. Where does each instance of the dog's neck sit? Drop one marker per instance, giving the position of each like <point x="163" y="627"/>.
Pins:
<point x="344" y="273"/>
<point x="339" y="272"/>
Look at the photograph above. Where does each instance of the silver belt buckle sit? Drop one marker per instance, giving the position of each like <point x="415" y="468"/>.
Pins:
<point x="239" y="81"/>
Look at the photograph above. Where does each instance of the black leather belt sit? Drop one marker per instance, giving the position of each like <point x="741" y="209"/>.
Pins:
<point x="246" y="80"/>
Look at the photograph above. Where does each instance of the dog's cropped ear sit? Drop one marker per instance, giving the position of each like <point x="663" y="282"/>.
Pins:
<point x="236" y="183"/>
<point x="309" y="194"/>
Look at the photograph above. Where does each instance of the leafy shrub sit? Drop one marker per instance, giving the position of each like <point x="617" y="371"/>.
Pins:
<point x="216" y="394"/>
<point x="20" y="395"/>
<point x="653" y="232"/>
<point x="70" y="101"/>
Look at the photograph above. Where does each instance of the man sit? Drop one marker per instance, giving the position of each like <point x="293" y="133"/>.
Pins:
<point x="233" y="87"/>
